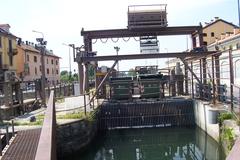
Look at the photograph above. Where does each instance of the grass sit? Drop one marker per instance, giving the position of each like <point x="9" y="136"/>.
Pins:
<point x="78" y="115"/>
<point x="224" y="116"/>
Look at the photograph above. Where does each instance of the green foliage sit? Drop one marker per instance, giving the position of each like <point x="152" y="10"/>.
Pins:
<point x="132" y="72"/>
<point x="228" y="136"/>
<point x="78" y="115"/>
<point x="66" y="76"/>
<point x="224" y="116"/>
<point x="64" y="73"/>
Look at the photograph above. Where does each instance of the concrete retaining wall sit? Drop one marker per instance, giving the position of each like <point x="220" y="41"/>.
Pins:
<point x="74" y="136"/>
<point x="205" y="115"/>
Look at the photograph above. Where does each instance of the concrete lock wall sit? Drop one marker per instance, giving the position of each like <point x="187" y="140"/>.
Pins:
<point x="206" y="118"/>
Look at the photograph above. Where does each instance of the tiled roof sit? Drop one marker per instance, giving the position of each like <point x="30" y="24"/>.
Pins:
<point x="7" y="33"/>
<point x="218" y="20"/>
<point x="29" y="48"/>
<point x="33" y="49"/>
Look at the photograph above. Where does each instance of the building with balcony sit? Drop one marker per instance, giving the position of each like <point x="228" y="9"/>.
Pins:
<point x="30" y="66"/>
<point x="8" y="51"/>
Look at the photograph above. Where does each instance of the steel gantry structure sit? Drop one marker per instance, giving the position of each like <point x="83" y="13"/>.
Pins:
<point x="88" y="36"/>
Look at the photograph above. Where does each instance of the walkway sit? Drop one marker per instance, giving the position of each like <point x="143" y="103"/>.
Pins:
<point x="24" y="146"/>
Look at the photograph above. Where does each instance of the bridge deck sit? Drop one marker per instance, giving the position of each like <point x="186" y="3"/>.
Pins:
<point x="24" y="146"/>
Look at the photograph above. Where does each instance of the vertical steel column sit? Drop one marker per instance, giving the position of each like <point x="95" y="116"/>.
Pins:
<point x="88" y="48"/>
<point x="186" y="79"/>
<point x="204" y="70"/>
<point x="201" y="78"/>
<point x="231" y="77"/>
<point x="217" y="73"/>
<point x="86" y="78"/>
<point x="193" y="41"/>
<point x="7" y="135"/>
<point x="204" y="77"/>
<point x="192" y="80"/>
<point x="43" y="77"/>
<point x="213" y="81"/>
<point x="80" y="77"/>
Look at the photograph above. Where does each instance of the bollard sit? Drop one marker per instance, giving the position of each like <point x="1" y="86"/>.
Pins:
<point x="7" y="135"/>
<point x="13" y="133"/>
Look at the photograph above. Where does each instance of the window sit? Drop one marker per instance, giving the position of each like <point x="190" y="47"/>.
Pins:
<point x="28" y="58"/>
<point x="47" y="60"/>
<point x="0" y="42"/>
<point x="224" y="70"/>
<point x="237" y="46"/>
<point x="56" y="62"/>
<point x="212" y="34"/>
<point x="11" y="60"/>
<point x="52" y="61"/>
<point x="237" y="66"/>
<point x="56" y="71"/>
<point x="52" y="71"/>
<point x="35" y="58"/>
<point x="10" y="46"/>
<point x="204" y="34"/>
<point x="205" y="43"/>
<point x="47" y="71"/>
<point x="35" y="70"/>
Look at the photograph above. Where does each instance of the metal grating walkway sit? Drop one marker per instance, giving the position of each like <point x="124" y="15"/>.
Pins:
<point x="24" y="146"/>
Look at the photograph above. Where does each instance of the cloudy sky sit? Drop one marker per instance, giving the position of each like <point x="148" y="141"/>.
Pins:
<point x="62" y="20"/>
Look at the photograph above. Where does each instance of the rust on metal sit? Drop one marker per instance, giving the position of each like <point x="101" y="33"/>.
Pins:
<point x="24" y="146"/>
<point x="47" y="143"/>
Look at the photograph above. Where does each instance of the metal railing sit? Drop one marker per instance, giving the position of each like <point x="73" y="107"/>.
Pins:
<point x="47" y="143"/>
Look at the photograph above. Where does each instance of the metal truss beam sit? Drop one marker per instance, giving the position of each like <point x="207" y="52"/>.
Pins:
<point x="119" y="33"/>
<point x="144" y="56"/>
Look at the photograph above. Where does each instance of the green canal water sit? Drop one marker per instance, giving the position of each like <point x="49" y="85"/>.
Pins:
<point x="153" y="144"/>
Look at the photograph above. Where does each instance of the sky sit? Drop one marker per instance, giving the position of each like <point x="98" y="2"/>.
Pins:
<point x="61" y="22"/>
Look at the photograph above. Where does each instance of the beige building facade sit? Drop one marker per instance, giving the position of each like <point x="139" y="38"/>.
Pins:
<point x="30" y="66"/>
<point x="213" y="30"/>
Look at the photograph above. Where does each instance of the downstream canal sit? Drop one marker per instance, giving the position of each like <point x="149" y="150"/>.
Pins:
<point x="153" y="144"/>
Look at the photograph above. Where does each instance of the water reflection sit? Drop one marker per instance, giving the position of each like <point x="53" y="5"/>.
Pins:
<point x="154" y="144"/>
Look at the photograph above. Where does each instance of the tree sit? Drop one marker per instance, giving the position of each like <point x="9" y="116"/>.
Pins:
<point x="132" y="72"/>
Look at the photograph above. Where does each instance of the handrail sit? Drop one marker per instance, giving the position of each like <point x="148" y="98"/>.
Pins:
<point x="46" y="149"/>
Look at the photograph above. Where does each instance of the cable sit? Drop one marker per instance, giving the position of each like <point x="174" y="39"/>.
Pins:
<point x="103" y="40"/>
<point x="94" y="41"/>
<point x="114" y="41"/>
<point x="136" y="39"/>
<point x="125" y="39"/>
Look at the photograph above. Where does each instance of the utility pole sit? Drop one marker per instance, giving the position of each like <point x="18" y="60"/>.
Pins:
<point x="42" y="44"/>
<point x="117" y="50"/>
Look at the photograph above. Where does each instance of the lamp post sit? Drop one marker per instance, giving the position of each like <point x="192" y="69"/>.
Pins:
<point x="117" y="50"/>
<point x="69" y="56"/>
<point x="42" y="45"/>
